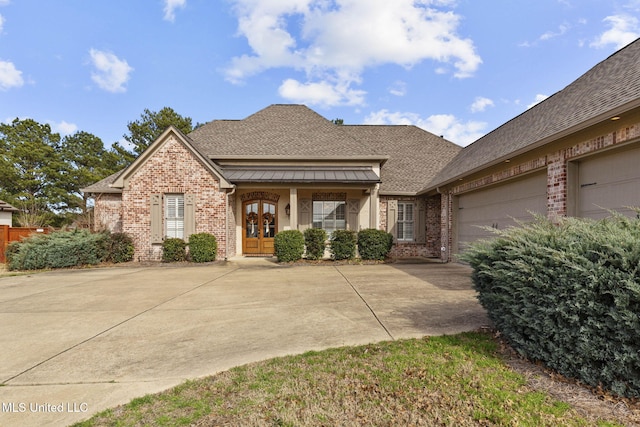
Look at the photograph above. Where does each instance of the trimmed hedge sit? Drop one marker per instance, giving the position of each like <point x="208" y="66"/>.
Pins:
<point x="567" y="295"/>
<point x="289" y="245"/>
<point x="314" y="239"/>
<point x="374" y="244"/>
<point x="343" y="244"/>
<point x="174" y="250"/>
<point x="203" y="247"/>
<point x="57" y="250"/>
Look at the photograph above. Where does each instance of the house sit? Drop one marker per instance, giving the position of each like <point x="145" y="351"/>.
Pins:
<point x="577" y="153"/>
<point x="6" y="213"/>
<point x="286" y="167"/>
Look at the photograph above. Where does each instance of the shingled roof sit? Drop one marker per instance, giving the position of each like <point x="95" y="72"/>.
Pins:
<point x="278" y="130"/>
<point x="415" y="155"/>
<point x="411" y="156"/>
<point x="612" y="86"/>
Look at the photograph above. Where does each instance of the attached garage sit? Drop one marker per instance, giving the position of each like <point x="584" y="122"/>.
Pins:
<point x="610" y="181"/>
<point x="498" y="206"/>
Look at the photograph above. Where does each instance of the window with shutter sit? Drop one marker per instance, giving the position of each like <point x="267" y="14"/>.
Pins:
<point x="174" y="215"/>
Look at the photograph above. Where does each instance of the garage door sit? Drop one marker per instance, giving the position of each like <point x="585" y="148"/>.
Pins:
<point x="498" y="206"/>
<point x="611" y="181"/>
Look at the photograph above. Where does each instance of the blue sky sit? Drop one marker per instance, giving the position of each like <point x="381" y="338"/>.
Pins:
<point x="458" y="68"/>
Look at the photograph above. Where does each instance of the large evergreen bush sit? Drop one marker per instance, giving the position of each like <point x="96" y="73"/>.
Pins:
<point x="314" y="240"/>
<point x="203" y="247"/>
<point x="374" y="244"/>
<point x="58" y="250"/>
<point x="289" y="245"/>
<point x="567" y="295"/>
<point x="343" y="244"/>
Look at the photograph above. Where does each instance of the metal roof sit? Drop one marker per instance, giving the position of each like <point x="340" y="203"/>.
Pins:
<point x="302" y="174"/>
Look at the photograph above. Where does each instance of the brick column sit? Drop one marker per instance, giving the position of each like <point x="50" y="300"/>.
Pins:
<point x="556" y="186"/>
<point x="445" y="227"/>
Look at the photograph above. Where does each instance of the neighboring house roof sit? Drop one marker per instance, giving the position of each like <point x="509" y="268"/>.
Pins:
<point x="609" y="88"/>
<point x="6" y="207"/>
<point x="415" y="155"/>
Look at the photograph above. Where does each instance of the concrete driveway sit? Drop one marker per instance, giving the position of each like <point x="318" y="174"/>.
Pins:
<point x="76" y="342"/>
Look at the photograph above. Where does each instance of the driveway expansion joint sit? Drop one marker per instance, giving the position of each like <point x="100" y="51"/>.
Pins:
<point x="365" y="303"/>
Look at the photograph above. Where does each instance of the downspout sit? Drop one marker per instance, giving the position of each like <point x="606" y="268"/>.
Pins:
<point x="226" y="222"/>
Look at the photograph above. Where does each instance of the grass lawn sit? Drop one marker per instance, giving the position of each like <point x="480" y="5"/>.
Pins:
<point x="458" y="380"/>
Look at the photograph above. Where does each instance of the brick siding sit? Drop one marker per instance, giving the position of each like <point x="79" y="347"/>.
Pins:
<point x="107" y="212"/>
<point x="172" y="169"/>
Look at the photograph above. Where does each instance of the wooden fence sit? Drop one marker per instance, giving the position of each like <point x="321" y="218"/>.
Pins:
<point x="11" y="234"/>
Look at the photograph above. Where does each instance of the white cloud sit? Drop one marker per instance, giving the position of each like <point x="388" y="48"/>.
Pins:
<point x="170" y="7"/>
<point x="111" y="73"/>
<point x="562" y="29"/>
<point x="10" y="76"/>
<point x="539" y="98"/>
<point x="1" y="23"/>
<point x="399" y="88"/>
<point x="480" y="104"/>
<point x="320" y="93"/>
<point x="337" y="40"/>
<point x="624" y="29"/>
<point x="63" y="127"/>
<point x="446" y="125"/>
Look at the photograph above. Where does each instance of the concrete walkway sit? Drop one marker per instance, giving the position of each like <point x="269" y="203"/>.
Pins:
<point x="76" y="342"/>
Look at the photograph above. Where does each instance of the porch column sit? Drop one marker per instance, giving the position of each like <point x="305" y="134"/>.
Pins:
<point x="293" y="205"/>
<point x="374" y="207"/>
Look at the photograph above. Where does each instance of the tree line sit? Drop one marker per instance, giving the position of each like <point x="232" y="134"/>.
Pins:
<point x="41" y="174"/>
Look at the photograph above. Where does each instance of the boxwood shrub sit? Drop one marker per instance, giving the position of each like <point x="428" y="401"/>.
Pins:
<point x="203" y="247"/>
<point x="174" y="250"/>
<point x="374" y="244"/>
<point x="314" y="239"/>
<point x="343" y="244"/>
<point x="289" y="245"/>
<point x="567" y="295"/>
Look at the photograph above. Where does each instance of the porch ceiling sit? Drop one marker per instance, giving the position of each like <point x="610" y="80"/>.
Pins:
<point x="298" y="174"/>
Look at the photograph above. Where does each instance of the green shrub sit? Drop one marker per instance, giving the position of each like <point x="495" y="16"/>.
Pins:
<point x="118" y="248"/>
<point x="203" y="247"/>
<point x="289" y="245"/>
<point x="174" y="250"/>
<point x="374" y="244"/>
<point x="567" y="295"/>
<point x="343" y="244"/>
<point x="314" y="239"/>
<point x="58" y="250"/>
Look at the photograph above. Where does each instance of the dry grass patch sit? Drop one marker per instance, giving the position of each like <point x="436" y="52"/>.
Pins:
<point x="458" y="380"/>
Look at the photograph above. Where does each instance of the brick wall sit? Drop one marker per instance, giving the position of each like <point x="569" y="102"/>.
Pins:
<point x="172" y="169"/>
<point x="107" y="212"/>
<point x="410" y="249"/>
<point x="555" y="162"/>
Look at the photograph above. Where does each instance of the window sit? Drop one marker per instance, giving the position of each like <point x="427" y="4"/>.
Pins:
<point x="405" y="221"/>
<point x="174" y="215"/>
<point x="329" y="215"/>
